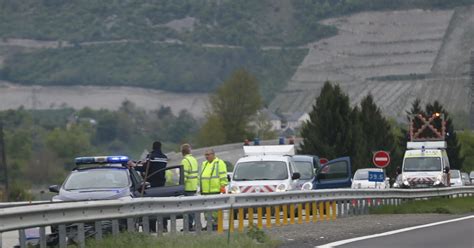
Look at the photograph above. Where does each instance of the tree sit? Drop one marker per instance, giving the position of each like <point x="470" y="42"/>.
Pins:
<point x="376" y="130"/>
<point x="332" y="130"/>
<point x="233" y="104"/>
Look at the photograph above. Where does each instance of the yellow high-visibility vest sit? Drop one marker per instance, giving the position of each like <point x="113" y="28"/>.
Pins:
<point x="213" y="176"/>
<point x="190" y="166"/>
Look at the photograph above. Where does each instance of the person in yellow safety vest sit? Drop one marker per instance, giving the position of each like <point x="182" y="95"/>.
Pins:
<point x="213" y="178"/>
<point x="191" y="170"/>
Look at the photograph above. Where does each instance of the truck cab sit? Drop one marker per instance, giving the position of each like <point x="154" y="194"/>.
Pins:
<point x="425" y="164"/>
<point x="265" y="169"/>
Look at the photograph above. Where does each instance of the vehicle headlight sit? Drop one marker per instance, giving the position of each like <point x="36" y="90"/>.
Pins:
<point x="307" y="186"/>
<point x="281" y="188"/>
<point x="235" y="190"/>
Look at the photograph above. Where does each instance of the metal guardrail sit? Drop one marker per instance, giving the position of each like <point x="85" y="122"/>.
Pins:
<point x="277" y="208"/>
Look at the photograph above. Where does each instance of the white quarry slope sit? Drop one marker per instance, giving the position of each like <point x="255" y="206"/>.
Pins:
<point x="373" y="45"/>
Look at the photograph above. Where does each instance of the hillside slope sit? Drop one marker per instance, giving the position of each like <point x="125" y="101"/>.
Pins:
<point x="396" y="56"/>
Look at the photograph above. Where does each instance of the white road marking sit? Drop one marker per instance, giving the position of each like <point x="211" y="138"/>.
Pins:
<point x="342" y="242"/>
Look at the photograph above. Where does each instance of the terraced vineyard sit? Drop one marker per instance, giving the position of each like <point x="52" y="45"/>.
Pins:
<point x="396" y="56"/>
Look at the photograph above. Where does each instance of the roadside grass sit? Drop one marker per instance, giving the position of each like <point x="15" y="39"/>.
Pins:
<point x="139" y="240"/>
<point x="461" y="205"/>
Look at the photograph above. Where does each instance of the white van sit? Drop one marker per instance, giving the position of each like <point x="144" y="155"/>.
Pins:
<point x="266" y="169"/>
<point x="425" y="164"/>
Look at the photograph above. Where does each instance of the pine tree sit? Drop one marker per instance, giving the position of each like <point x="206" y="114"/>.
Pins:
<point x="376" y="131"/>
<point x="329" y="131"/>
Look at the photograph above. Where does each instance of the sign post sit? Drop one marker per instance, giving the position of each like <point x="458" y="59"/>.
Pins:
<point x="381" y="159"/>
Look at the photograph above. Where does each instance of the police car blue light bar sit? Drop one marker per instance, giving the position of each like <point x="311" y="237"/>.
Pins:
<point x="102" y="160"/>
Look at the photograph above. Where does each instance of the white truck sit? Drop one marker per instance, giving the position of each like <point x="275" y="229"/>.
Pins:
<point x="425" y="163"/>
<point x="266" y="169"/>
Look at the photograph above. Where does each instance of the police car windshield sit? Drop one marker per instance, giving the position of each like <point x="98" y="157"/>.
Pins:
<point x="261" y="170"/>
<point x="305" y="169"/>
<point x="422" y="164"/>
<point x="97" y="179"/>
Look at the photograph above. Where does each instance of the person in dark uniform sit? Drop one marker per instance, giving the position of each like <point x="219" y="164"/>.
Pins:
<point x="156" y="160"/>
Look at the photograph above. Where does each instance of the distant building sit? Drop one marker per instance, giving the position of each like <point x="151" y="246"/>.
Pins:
<point x="296" y="120"/>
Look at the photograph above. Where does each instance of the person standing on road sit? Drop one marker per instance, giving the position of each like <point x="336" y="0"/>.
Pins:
<point x="190" y="166"/>
<point x="213" y="179"/>
<point x="154" y="169"/>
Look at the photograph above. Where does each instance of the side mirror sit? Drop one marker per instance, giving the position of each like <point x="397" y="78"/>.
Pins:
<point x="54" y="188"/>
<point x="296" y="175"/>
<point x="446" y="169"/>
<point x="229" y="178"/>
<point x="387" y="179"/>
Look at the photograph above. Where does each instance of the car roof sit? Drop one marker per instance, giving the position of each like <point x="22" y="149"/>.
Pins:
<point x="264" y="158"/>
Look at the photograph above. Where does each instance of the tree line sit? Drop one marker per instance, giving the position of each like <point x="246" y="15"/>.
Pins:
<point x="336" y="129"/>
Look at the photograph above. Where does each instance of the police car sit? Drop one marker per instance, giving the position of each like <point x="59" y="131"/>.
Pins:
<point x="266" y="169"/>
<point x="108" y="177"/>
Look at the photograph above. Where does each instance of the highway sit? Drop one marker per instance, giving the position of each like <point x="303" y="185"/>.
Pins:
<point x="451" y="233"/>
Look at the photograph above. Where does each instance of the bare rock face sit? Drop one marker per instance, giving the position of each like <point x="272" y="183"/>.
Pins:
<point x="396" y="56"/>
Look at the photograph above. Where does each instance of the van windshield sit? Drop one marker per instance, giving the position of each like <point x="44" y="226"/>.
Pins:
<point x="422" y="164"/>
<point x="261" y="170"/>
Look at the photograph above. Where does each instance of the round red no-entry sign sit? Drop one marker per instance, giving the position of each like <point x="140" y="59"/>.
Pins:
<point x="381" y="159"/>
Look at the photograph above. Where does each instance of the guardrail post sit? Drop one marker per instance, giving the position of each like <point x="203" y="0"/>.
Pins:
<point x="210" y="223"/>
<point x="80" y="235"/>
<point x="300" y="213"/>
<point x="231" y="220"/>
<point x="241" y="219"/>
<point x="115" y="227"/>
<point x="42" y="233"/>
<point x="22" y="237"/>
<point x="62" y="236"/>
<point x="250" y="219"/>
<point x="98" y="230"/>
<point x="259" y="218"/>
<point x="339" y="208"/>
<point x="307" y="208"/>
<point x="197" y="222"/>
<point x="328" y="210"/>
<point x="185" y="222"/>
<point x="173" y="224"/>
<point x="321" y="211"/>
<point x="220" y="221"/>
<point x="268" y="212"/>
<point x="334" y="210"/>
<point x="146" y="224"/>
<point x="277" y="216"/>
<point x="1" y="242"/>
<point x="159" y="225"/>
<point x="292" y="213"/>
<point x="285" y="215"/>
<point x="315" y="211"/>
